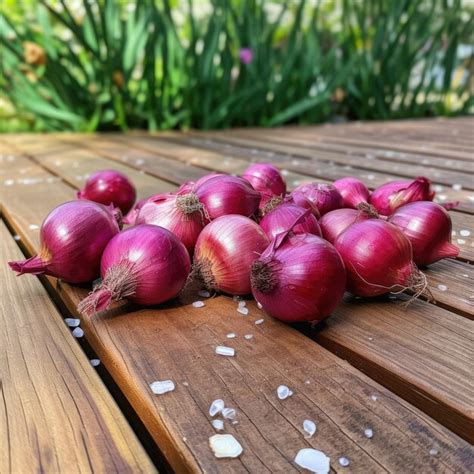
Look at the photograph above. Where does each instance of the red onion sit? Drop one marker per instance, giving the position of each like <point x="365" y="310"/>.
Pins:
<point x="324" y="196"/>
<point x="133" y="213"/>
<point x="390" y="196"/>
<point x="428" y="227"/>
<point x="190" y="185"/>
<point x="224" y="252"/>
<point x="224" y="194"/>
<point x="282" y="217"/>
<point x="109" y="187"/>
<point x="335" y="222"/>
<point x="73" y="237"/>
<point x="181" y="214"/>
<point x="266" y="178"/>
<point x="145" y="264"/>
<point x="299" y="277"/>
<point x="353" y="191"/>
<point x="378" y="259"/>
<point x="302" y="201"/>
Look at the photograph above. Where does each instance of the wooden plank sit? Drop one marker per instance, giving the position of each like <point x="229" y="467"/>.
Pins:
<point x="55" y="415"/>
<point x="111" y="340"/>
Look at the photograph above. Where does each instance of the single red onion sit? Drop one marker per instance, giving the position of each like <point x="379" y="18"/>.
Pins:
<point x="188" y="186"/>
<point x="391" y="196"/>
<point x="225" y="251"/>
<point x="265" y="178"/>
<point x="353" y="191"/>
<point x="109" y="187"/>
<point x="131" y="216"/>
<point x="282" y="217"/>
<point x="301" y="200"/>
<point x="324" y="196"/>
<point x="145" y="264"/>
<point x="72" y="239"/>
<point x="181" y="214"/>
<point x="225" y="194"/>
<point x="299" y="277"/>
<point x="335" y="222"/>
<point x="378" y="259"/>
<point x="428" y="227"/>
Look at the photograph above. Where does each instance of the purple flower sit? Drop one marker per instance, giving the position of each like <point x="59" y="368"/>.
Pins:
<point x="245" y="55"/>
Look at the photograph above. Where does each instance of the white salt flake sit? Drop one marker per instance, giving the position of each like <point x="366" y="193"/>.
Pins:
<point x="465" y="233"/>
<point x="229" y="413"/>
<point x="433" y="451"/>
<point x="461" y="241"/>
<point x="259" y="305"/>
<point x="370" y="338"/>
<point x="309" y="427"/>
<point x="225" y="446"/>
<point x="259" y="321"/>
<point x="78" y="332"/>
<point x="374" y="397"/>
<point x="225" y="351"/>
<point x="457" y="187"/>
<point x="242" y="304"/>
<point x="438" y="188"/>
<point x="72" y="322"/>
<point x="95" y="362"/>
<point x="368" y="433"/>
<point x="343" y="461"/>
<point x="204" y="293"/>
<point x="216" y="407"/>
<point x="231" y="335"/>
<point x="243" y="310"/>
<point x="186" y="384"/>
<point x="218" y="425"/>
<point x="248" y="337"/>
<point x="283" y="392"/>
<point x="442" y="197"/>
<point x="33" y="226"/>
<point x="442" y="287"/>
<point x="16" y="237"/>
<point x="313" y="460"/>
<point x="198" y="304"/>
<point x="162" y="386"/>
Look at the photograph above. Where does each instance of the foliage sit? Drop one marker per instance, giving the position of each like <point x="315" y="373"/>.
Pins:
<point x="104" y="64"/>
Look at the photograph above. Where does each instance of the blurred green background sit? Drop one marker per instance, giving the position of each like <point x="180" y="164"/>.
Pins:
<point x="87" y="65"/>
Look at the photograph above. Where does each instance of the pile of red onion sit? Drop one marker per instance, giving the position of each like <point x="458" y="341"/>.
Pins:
<point x="297" y="252"/>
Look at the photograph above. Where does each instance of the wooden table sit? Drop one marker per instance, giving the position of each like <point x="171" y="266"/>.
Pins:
<point x="404" y="372"/>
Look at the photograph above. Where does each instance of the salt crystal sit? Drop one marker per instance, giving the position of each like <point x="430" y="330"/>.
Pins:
<point x="216" y="407"/>
<point x="218" y="425"/>
<point x="229" y="413"/>
<point x="248" y="337"/>
<point x="95" y="362"/>
<point x="465" y="233"/>
<point x="225" y="446"/>
<point x="140" y="161"/>
<point x="162" y="386"/>
<point x="442" y="197"/>
<point x="457" y="187"/>
<point x="461" y="241"/>
<point x="78" y="332"/>
<point x="33" y="226"/>
<point x="259" y="321"/>
<point x="284" y="172"/>
<point x="225" y="351"/>
<point x="313" y="460"/>
<point x="374" y="397"/>
<point x="204" y="293"/>
<point x="283" y="392"/>
<point x="370" y="177"/>
<point x="310" y="427"/>
<point x="198" y="304"/>
<point x="344" y="462"/>
<point x="186" y="384"/>
<point x="259" y="305"/>
<point x="242" y="304"/>
<point x="465" y="275"/>
<point x="442" y="287"/>
<point x="243" y="311"/>
<point x="370" y="338"/>
<point x="16" y="237"/>
<point x="368" y="433"/>
<point x="307" y="382"/>
<point x="231" y="335"/>
<point x="72" y="322"/>
<point x="433" y="451"/>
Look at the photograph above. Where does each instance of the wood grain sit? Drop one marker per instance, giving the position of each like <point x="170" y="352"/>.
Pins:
<point x="55" y="413"/>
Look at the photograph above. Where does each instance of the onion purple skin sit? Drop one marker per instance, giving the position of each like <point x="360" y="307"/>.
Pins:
<point x="353" y="191"/>
<point x="335" y="222"/>
<point x="265" y="178"/>
<point x="377" y="256"/>
<point x="307" y="279"/>
<point x="282" y="217"/>
<point x="109" y="187"/>
<point x="324" y="196"/>
<point x="72" y="239"/>
<point x="428" y="227"/>
<point x="161" y="262"/>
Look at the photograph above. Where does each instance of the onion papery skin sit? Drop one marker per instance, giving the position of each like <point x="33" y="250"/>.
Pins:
<point x="301" y="200"/>
<point x="172" y="211"/>
<point x="378" y="259"/>
<point x="353" y="191"/>
<point x="389" y="197"/>
<point x="335" y="222"/>
<point x="131" y="216"/>
<point x="72" y="239"/>
<point x="282" y="217"/>
<point x="265" y="178"/>
<point x="324" y="196"/>
<point x="224" y="194"/>
<point x="145" y="264"/>
<point x="225" y="251"/>
<point x="428" y="227"/>
<point x="300" y="279"/>
<point x="109" y="187"/>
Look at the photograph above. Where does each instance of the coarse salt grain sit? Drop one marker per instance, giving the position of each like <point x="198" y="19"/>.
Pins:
<point x="259" y="305"/>
<point x="229" y="413"/>
<point x="78" y="332"/>
<point x="461" y="241"/>
<point x="343" y="461"/>
<point x="17" y="237"/>
<point x="231" y="335"/>
<point x="225" y="351"/>
<point x="368" y="433"/>
<point x="442" y="287"/>
<point x="225" y="446"/>
<point x="204" y="293"/>
<point x="433" y="451"/>
<point x="283" y="392"/>
<point x="313" y="460"/>
<point x="216" y="407"/>
<point x="218" y="425"/>
<point x="95" y="362"/>
<point x="242" y="304"/>
<point x="198" y="304"/>
<point x="72" y="322"/>
<point x="259" y="321"/>
<point x="457" y="187"/>
<point x="248" y="337"/>
<point x="162" y="386"/>
<point x="374" y="397"/>
<point x="243" y="310"/>
<point x="33" y="226"/>
<point x="465" y="233"/>
<point x="309" y="427"/>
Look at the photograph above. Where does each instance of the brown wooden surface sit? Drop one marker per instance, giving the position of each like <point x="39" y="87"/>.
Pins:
<point x="423" y="353"/>
<point x="55" y="413"/>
